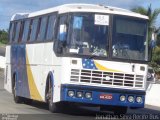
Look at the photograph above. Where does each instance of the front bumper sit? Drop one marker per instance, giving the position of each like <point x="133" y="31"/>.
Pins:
<point x="97" y="91"/>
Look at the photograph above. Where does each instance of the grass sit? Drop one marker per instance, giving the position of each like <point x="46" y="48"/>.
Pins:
<point x="3" y="43"/>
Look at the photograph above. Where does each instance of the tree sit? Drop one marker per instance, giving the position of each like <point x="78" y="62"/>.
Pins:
<point x="152" y="14"/>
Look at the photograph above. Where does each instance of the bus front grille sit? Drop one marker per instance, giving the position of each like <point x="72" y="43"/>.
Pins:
<point x="96" y="77"/>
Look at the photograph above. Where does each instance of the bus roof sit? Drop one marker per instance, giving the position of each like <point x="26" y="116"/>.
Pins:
<point x="79" y="8"/>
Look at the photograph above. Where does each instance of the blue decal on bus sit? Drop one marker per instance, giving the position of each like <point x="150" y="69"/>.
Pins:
<point x="96" y="100"/>
<point x="88" y="64"/>
<point x="18" y="66"/>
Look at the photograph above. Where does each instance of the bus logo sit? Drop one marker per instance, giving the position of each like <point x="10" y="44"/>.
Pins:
<point x="106" y="96"/>
<point x="108" y="78"/>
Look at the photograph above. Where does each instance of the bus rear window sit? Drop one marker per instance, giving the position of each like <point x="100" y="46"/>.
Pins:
<point x="11" y="32"/>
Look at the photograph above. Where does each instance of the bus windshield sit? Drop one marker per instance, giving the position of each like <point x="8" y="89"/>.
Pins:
<point x="129" y="38"/>
<point x="87" y="37"/>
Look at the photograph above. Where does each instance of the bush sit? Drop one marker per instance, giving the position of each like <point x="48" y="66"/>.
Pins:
<point x="3" y="37"/>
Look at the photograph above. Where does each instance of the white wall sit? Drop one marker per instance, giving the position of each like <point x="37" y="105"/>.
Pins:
<point x="152" y="95"/>
<point x="2" y="62"/>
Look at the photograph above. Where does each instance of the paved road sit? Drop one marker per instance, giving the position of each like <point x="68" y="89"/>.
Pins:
<point x="38" y="111"/>
<point x="2" y="50"/>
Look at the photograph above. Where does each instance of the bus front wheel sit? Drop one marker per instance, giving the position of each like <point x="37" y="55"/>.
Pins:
<point x="120" y="110"/>
<point x="52" y="106"/>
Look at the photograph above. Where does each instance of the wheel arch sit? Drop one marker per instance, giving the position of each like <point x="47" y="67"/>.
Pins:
<point x="14" y="75"/>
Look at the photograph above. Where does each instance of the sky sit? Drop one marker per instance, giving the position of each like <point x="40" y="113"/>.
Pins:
<point x="10" y="7"/>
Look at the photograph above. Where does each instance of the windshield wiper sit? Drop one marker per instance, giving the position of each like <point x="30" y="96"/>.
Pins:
<point x="93" y="56"/>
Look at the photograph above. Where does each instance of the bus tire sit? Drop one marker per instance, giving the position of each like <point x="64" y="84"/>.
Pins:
<point x="120" y="110"/>
<point x="17" y="99"/>
<point x="53" y="107"/>
<point x="28" y="101"/>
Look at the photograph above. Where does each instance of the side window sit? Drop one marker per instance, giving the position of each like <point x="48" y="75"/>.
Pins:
<point x="50" y="29"/>
<point x="38" y="28"/>
<point x="26" y="30"/>
<point x="34" y="30"/>
<point x="62" y="29"/>
<point x="17" y="31"/>
<point x="43" y="26"/>
<point x="11" y="32"/>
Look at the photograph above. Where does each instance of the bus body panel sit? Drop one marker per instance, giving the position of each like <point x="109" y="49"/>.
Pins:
<point x="32" y="64"/>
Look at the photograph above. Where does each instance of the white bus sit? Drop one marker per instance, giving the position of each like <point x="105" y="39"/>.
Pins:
<point x="78" y="53"/>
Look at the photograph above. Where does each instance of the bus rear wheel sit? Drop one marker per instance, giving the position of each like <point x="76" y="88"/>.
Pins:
<point x="17" y="99"/>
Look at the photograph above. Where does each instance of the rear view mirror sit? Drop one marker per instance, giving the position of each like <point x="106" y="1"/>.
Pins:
<point x="152" y="44"/>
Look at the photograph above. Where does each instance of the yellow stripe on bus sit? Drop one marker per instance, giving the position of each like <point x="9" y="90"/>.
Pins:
<point x="34" y="93"/>
<point x="100" y="67"/>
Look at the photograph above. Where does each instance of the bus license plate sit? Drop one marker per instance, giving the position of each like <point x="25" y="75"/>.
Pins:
<point x="106" y="96"/>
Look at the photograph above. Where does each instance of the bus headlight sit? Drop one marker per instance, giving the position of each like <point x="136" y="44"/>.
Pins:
<point x="139" y="99"/>
<point x="79" y="94"/>
<point x="88" y="95"/>
<point x="70" y="93"/>
<point x="130" y="98"/>
<point x="122" y="98"/>
<point x="149" y="75"/>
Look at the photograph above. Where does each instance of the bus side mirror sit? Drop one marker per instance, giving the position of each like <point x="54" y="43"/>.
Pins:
<point x="152" y="45"/>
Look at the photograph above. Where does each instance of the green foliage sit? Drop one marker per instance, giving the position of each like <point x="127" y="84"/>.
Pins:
<point x="156" y="59"/>
<point x="3" y="37"/>
<point x="156" y="55"/>
<point x="152" y="14"/>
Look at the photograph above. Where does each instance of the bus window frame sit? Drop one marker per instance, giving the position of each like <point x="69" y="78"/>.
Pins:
<point x="57" y="42"/>
<point x="27" y="41"/>
<point x="39" y="39"/>
<point x="111" y="40"/>
<point x="11" y="28"/>
<point x="58" y="25"/>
